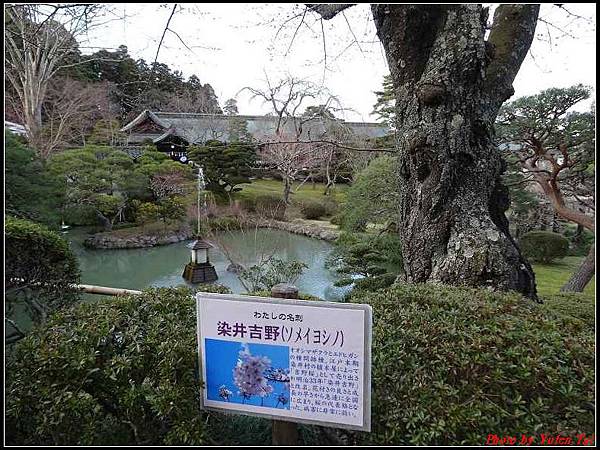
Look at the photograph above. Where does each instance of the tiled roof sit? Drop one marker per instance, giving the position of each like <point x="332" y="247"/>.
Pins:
<point x="197" y="127"/>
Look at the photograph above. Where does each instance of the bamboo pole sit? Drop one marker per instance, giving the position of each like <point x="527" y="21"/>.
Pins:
<point x="103" y="290"/>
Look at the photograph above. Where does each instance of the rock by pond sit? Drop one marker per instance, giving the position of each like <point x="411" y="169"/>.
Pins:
<point x="235" y="268"/>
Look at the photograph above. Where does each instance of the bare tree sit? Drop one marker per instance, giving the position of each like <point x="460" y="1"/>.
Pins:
<point x="39" y="39"/>
<point x="69" y="110"/>
<point x="309" y="141"/>
<point x="287" y="97"/>
<point x="289" y="158"/>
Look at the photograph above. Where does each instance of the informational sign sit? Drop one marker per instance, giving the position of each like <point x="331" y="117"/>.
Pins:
<point x="294" y="360"/>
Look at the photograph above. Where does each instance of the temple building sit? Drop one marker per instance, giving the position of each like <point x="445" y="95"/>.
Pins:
<point x="172" y="132"/>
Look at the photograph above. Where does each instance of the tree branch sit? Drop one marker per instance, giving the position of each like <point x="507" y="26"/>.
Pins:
<point x="336" y="144"/>
<point x="510" y="38"/>
<point x="163" y="35"/>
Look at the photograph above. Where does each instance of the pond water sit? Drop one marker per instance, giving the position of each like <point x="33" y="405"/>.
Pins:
<point x="163" y="265"/>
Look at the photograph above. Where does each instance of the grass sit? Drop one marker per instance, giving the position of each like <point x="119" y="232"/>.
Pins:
<point x="551" y="277"/>
<point x="306" y="191"/>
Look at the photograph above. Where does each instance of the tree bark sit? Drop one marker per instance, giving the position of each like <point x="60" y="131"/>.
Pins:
<point x="578" y="237"/>
<point x="453" y="226"/>
<point x="584" y="274"/>
<point x="287" y="187"/>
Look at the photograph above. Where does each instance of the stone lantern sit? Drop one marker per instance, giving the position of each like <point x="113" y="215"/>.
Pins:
<point x="199" y="269"/>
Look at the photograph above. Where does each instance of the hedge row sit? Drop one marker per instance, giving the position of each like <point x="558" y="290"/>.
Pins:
<point x="449" y="366"/>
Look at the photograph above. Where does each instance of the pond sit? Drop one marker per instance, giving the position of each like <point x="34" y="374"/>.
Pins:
<point x="163" y="265"/>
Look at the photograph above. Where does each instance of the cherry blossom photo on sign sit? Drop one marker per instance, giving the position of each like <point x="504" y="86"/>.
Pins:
<point x="250" y="374"/>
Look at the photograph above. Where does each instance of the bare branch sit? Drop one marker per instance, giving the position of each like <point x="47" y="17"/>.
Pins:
<point x="352" y="32"/>
<point x="562" y="30"/>
<point x="336" y="144"/>
<point x="295" y="32"/>
<point x="562" y="6"/>
<point x="164" y="32"/>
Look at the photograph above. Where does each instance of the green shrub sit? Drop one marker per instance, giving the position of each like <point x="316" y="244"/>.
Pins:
<point x="80" y="215"/>
<point x="331" y="206"/>
<point x="39" y="269"/>
<point x="120" y="371"/>
<point x="30" y="191"/>
<point x="576" y="309"/>
<point x="452" y="365"/>
<point x="373" y="197"/>
<point x="146" y="212"/>
<point x="376" y="282"/>
<point x="579" y="245"/>
<point x="378" y="258"/>
<point x="313" y="210"/>
<point x="544" y="246"/>
<point x="301" y="296"/>
<point x="270" y="206"/>
<point x="211" y="287"/>
<point x="171" y="208"/>
<point x="449" y="366"/>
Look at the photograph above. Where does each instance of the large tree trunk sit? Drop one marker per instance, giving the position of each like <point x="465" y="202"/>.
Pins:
<point x="584" y="274"/>
<point x="449" y="87"/>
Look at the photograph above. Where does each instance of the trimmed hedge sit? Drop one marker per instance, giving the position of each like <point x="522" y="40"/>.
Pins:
<point x="544" y="246"/>
<point x="452" y="365"/>
<point x="114" y="372"/>
<point x="301" y="296"/>
<point x="40" y="265"/>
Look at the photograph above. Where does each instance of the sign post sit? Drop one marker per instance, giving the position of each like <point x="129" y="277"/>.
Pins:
<point x="289" y="360"/>
<point x="284" y="433"/>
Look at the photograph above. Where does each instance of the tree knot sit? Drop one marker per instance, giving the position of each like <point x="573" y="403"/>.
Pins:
<point x="431" y="93"/>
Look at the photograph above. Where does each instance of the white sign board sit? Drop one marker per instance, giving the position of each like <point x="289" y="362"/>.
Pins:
<point x="294" y="360"/>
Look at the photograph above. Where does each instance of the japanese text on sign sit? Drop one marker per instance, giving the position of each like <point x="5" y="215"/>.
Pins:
<point x="294" y="360"/>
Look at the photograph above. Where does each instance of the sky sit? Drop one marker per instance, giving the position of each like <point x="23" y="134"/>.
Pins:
<point x="232" y="46"/>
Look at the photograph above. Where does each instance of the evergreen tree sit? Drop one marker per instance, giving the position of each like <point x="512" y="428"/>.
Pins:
<point x="225" y="166"/>
<point x="30" y="191"/>
<point x="230" y="107"/>
<point x="386" y="103"/>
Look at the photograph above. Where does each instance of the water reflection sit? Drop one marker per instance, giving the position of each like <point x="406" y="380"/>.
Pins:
<point x="163" y="266"/>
